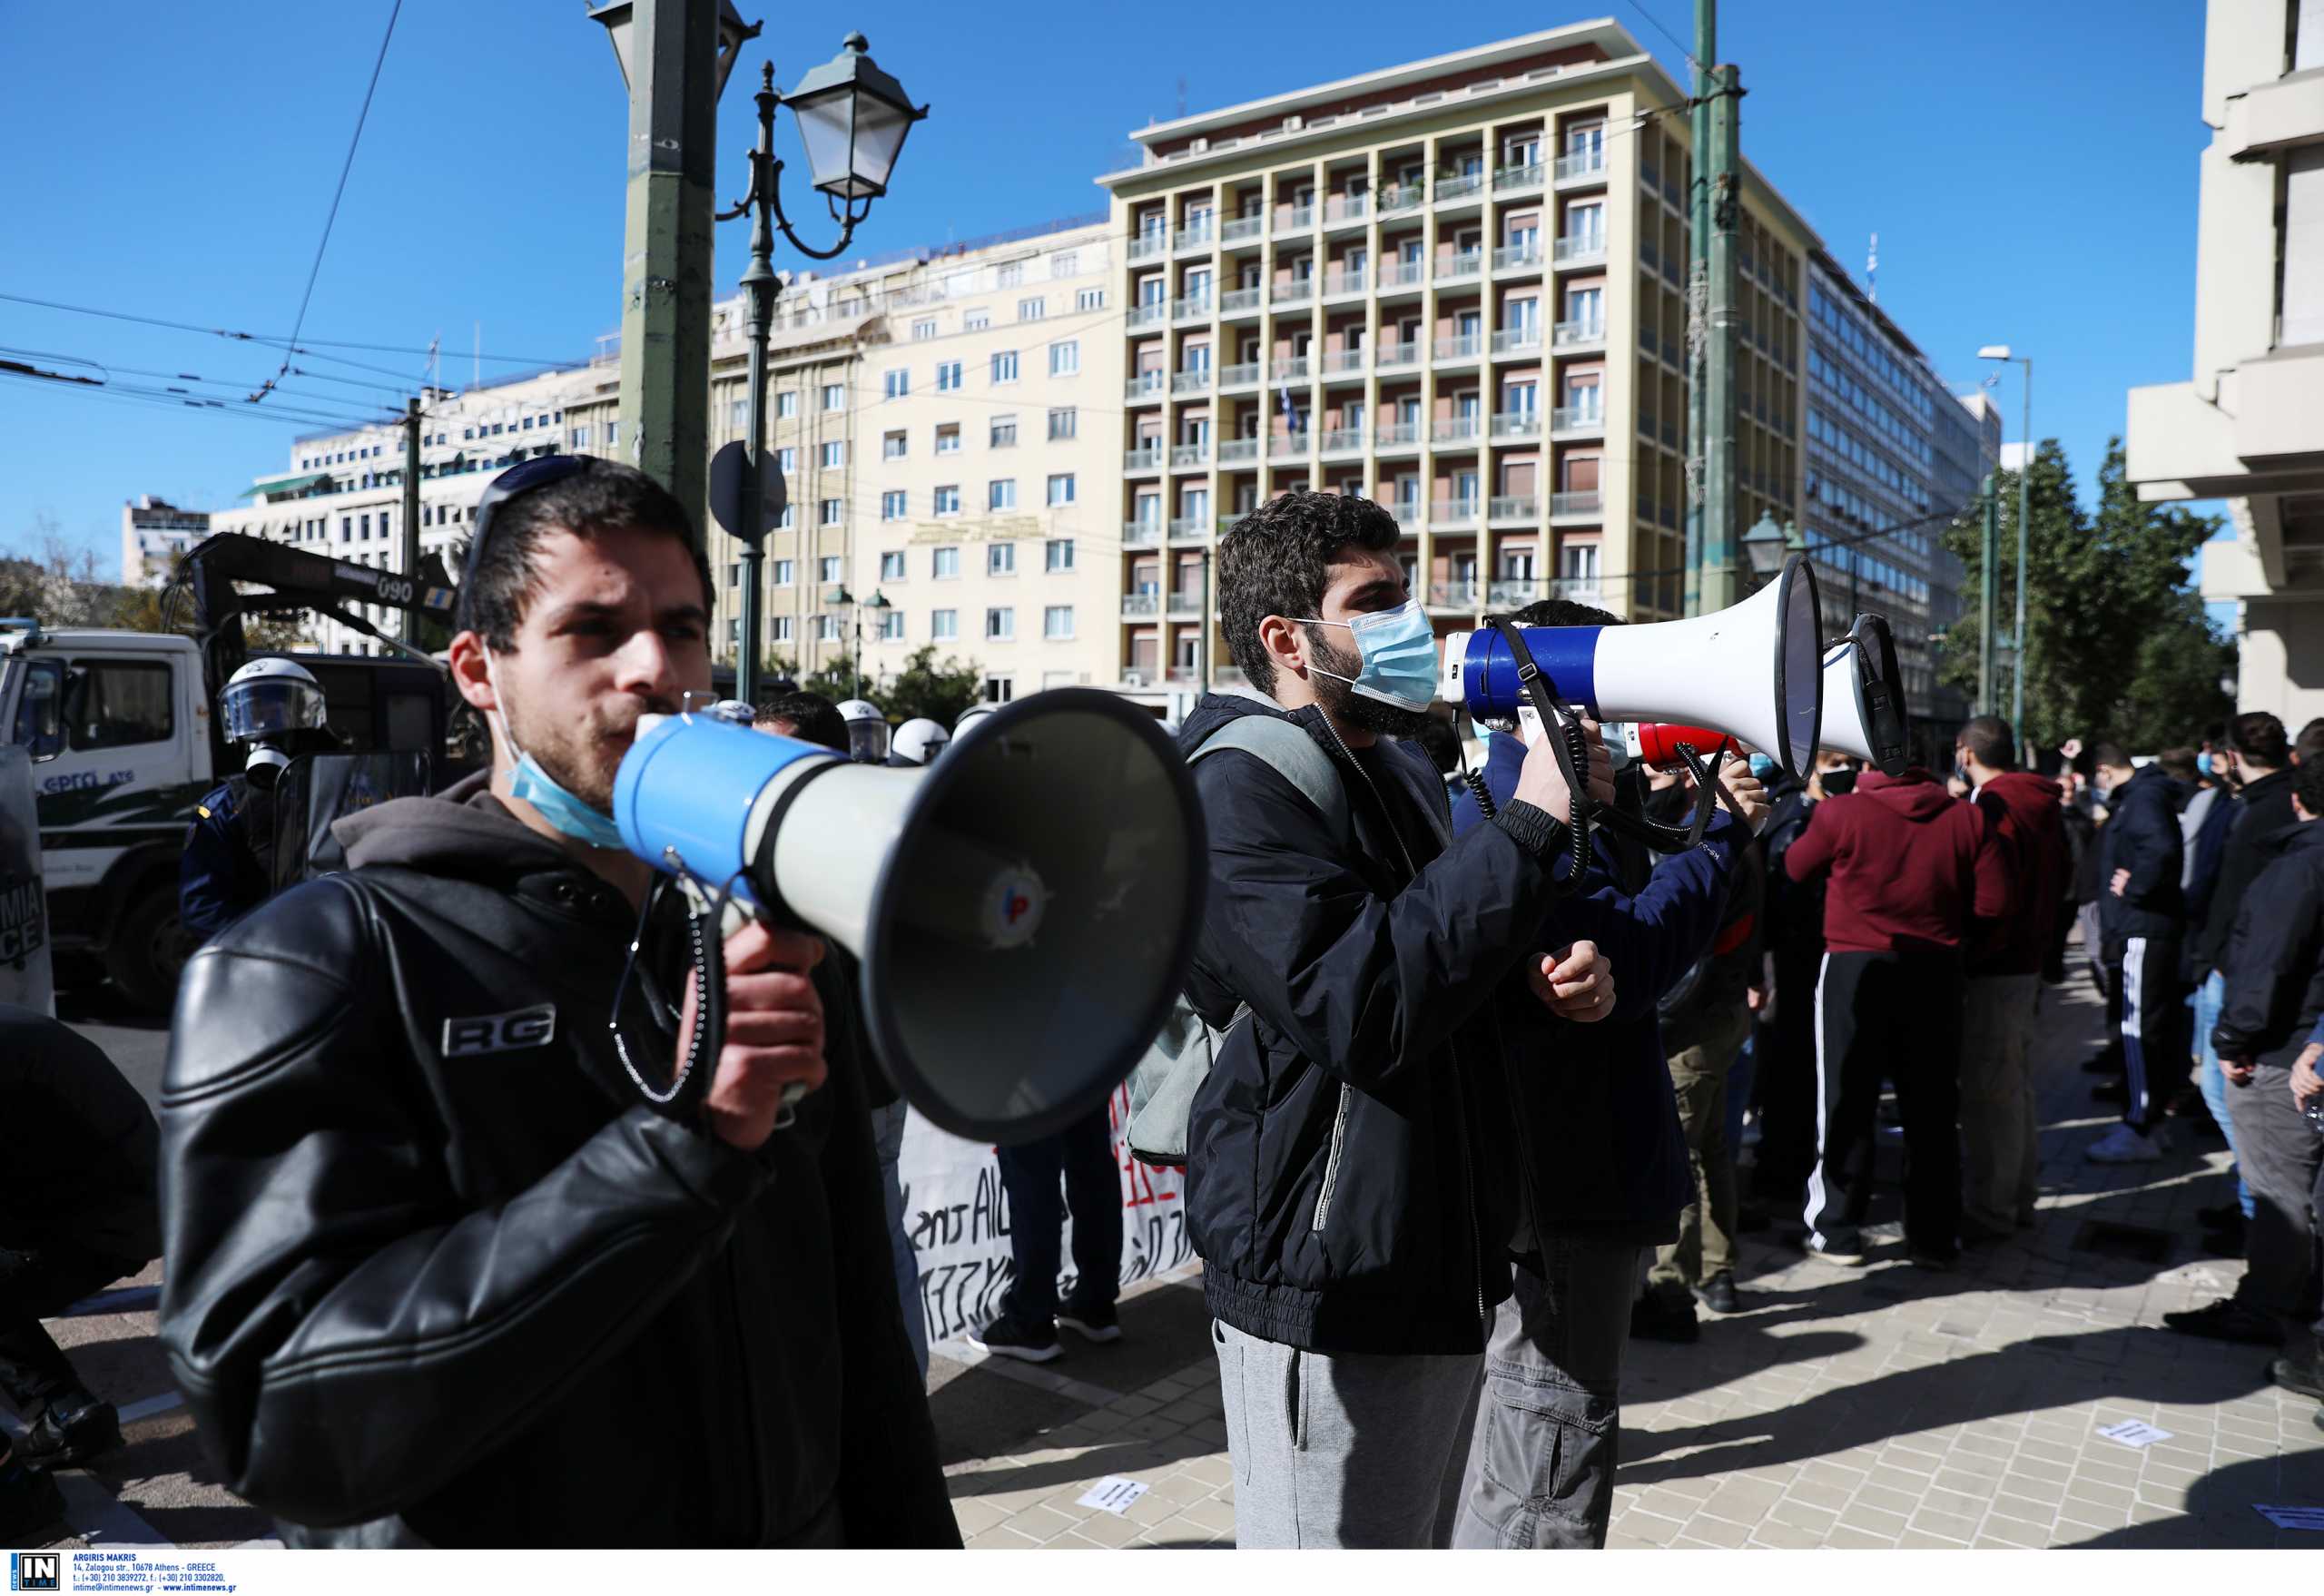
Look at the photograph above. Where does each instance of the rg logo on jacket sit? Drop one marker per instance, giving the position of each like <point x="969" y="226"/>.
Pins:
<point x="500" y="1033"/>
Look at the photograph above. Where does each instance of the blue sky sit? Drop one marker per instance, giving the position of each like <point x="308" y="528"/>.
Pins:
<point x="177" y="162"/>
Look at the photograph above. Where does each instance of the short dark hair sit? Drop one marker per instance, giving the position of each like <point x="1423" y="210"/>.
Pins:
<point x="2178" y="763"/>
<point x="2110" y="754"/>
<point x="1276" y="561"/>
<point x="2260" y="738"/>
<point x="2215" y="733"/>
<point x="2309" y="747"/>
<point x="2308" y="787"/>
<point x="608" y="497"/>
<point x="1563" y="611"/>
<point x="813" y="717"/>
<point x="1989" y="741"/>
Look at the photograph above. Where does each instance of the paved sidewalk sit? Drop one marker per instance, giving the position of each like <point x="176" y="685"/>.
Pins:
<point x="1880" y="1407"/>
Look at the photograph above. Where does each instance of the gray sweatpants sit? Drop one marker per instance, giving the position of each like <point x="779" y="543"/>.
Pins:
<point x="1347" y="1449"/>
<point x="2280" y="1156"/>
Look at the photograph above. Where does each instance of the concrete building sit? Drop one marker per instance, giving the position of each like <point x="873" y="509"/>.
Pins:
<point x="1891" y="456"/>
<point x="2250" y="426"/>
<point x="1455" y="285"/>
<point x="154" y="532"/>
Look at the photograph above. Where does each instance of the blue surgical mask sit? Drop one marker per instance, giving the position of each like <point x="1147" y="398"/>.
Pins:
<point x="1762" y="767"/>
<point x="556" y="803"/>
<point x="1398" y="648"/>
<point x="2204" y="761"/>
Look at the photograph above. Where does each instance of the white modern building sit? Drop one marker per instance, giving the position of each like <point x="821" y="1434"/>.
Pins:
<point x="2249" y="426"/>
<point x="154" y="532"/>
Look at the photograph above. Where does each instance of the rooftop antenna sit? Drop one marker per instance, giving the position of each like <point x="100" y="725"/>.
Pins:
<point x="1182" y="98"/>
<point x="434" y="362"/>
<point x="1872" y="271"/>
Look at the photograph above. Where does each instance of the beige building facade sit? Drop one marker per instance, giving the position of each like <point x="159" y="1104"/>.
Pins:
<point x="2250" y="426"/>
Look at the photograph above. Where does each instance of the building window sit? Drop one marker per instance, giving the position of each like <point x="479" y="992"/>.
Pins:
<point x="944" y="564"/>
<point x="947" y="439"/>
<point x="782" y="629"/>
<point x="1064" y="425"/>
<point x="1060" y="490"/>
<point x="786" y="405"/>
<point x="782" y="569"/>
<point x="1065" y="359"/>
<point x="975" y="320"/>
<point x="891" y="506"/>
<point x="826" y="628"/>
<point x="892" y="446"/>
<point x="1000" y="624"/>
<point x="947" y="376"/>
<point x="580" y="437"/>
<point x="786" y="460"/>
<point x="891" y="566"/>
<point x="1032" y="309"/>
<point x="835" y="396"/>
<point x="1000" y="559"/>
<point x="923" y="328"/>
<point x="363" y="524"/>
<point x="891" y="627"/>
<point x="943" y="624"/>
<point x="733" y="574"/>
<point x="789" y="519"/>
<point x="1056" y="621"/>
<point x="1004" y="432"/>
<point x="831" y="569"/>
<point x="895" y="385"/>
<point x="1004" y="365"/>
<point x="948" y="499"/>
<point x="1000" y="494"/>
<point x="830" y="510"/>
<point x="834" y="456"/>
<point x="1008" y="276"/>
<point x="1058" y="554"/>
<point x="1065" y="263"/>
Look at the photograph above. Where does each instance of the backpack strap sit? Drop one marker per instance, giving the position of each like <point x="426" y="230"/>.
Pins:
<point x="1285" y="748"/>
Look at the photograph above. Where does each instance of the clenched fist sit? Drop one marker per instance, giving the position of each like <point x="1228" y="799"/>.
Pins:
<point x="1575" y="983"/>
<point x="774" y="1032"/>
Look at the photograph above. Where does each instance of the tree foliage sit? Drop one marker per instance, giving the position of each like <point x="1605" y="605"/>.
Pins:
<point x="59" y="586"/>
<point x="2117" y="645"/>
<point x="938" y="690"/>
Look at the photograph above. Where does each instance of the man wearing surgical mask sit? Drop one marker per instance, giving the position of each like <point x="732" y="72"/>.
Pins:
<point x="1355" y="1167"/>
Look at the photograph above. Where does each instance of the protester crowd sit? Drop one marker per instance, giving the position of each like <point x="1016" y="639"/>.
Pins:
<point x="1475" y="1108"/>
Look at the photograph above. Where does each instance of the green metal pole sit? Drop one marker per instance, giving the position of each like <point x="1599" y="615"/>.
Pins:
<point x="1718" y="583"/>
<point x="759" y="288"/>
<point x="411" y="514"/>
<point x="667" y="245"/>
<point x="2024" y="520"/>
<point x="1698" y="293"/>
<point x="1988" y="582"/>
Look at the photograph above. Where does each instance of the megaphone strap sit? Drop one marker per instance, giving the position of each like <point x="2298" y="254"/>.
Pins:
<point x="709" y="1037"/>
<point x="1567" y="741"/>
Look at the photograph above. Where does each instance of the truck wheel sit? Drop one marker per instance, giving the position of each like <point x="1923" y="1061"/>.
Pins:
<point x="148" y="950"/>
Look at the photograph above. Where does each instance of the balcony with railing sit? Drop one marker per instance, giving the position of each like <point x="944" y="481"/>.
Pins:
<point x="1185" y="527"/>
<point x="1514" y="507"/>
<point x="1194" y="308"/>
<point x="1574" y="335"/>
<point x="1146" y="457"/>
<point x="1136" y="604"/>
<point x="1194" y="381"/>
<point x="1581" y="164"/>
<point x="1142" y="533"/>
<point x="1590" y="503"/>
<point x="1395" y="274"/>
<point x="1236" y="452"/>
<point x="1183" y="455"/>
<point x="1297" y="291"/>
<point x="1584" y="421"/>
<point x="1343" y="440"/>
<point x="1580" y="589"/>
<point x="1294" y="218"/>
<point x="1187" y="239"/>
<point x="1145" y="385"/>
<point x="1453" y="596"/>
<point x="1514" y="257"/>
<point x="1240" y="301"/>
<point x="1147" y="245"/>
<point x="1511" y="592"/>
<point x="1449" y="189"/>
<point x="1288" y="445"/>
<point x="1455" y="429"/>
<point x="1242" y="229"/>
<point x="1514" y="424"/>
<point x="1519" y="179"/>
<point x="1346" y="208"/>
<point x="1186" y="604"/>
<point x="1406" y="511"/>
<point x="1462" y="347"/>
<point x="1582" y="249"/>
<point x="1242" y="374"/>
<point x="1453" y="512"/>
<point x="1294" y="370"/>
<point x="1460" y="266"/>
<point x="1152" y="313"/>
<point x="1343" y="362"/>
<point x="1405" y="197"/>
<point x="1391" y="357"/>
<point x="1341" y="281"/>
<point x="1398" y="434"/>
<point x="1517" y="341"/>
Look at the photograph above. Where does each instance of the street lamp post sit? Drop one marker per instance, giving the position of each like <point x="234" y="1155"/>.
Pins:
<point x="2000" y="351"/>
<point x="839" y="597"/>
<point x="852" y="118"/>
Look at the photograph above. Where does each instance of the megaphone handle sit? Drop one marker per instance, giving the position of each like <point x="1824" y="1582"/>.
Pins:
<point x="1568" y="742"/>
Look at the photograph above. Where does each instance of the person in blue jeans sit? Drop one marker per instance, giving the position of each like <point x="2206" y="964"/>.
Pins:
<point x="1079" y="1159"/>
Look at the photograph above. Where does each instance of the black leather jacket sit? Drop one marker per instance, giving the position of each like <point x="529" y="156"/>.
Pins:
<point x="438" y="1274"/>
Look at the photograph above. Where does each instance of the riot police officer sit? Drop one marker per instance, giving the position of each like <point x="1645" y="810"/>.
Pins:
<point x="276" y="706"/>
<point x="867" y="731"/>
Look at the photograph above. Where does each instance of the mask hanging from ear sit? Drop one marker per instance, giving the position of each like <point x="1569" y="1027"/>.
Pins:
<point x="556" y="803"/>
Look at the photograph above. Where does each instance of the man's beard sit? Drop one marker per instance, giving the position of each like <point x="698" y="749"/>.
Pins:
<point x="584" y="762"/>
<point x="1344" y="703"/>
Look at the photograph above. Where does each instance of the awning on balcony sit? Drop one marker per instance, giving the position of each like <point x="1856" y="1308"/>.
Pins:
<point x="285" y="485"/>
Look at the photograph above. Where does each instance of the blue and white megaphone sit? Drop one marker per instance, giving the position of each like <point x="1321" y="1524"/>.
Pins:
<point x="1024" y="909"/>
<point x="1752" y="671"/>
<point x="1863" y="697"/>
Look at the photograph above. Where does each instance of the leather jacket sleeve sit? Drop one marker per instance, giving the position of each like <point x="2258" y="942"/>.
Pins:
<point x="347" y="1336"/>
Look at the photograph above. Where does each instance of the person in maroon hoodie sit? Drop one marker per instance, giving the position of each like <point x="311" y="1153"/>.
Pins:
<point x="1913" y="869"/>
<point x="1998" y="1128"/>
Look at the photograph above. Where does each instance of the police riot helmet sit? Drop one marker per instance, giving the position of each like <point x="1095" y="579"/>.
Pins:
<point x="867" y="731"/>
<point x="971" y="715"/>
<point x="270" y="700"/>
<point x="920" y="740"/>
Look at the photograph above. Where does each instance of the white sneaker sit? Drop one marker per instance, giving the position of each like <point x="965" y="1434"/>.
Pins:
<point x="2123" y="1145"/>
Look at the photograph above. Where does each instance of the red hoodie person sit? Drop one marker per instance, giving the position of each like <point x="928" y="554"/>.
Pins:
<point x="1911" y="864"/>
<point x="2021" y="810"/>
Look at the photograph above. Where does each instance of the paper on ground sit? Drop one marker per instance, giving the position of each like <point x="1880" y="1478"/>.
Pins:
<point x="2134" y="1433"/>
<point x="1112" y="1494"/>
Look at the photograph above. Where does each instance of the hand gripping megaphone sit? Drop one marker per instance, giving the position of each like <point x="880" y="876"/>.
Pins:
<point x="1863" y="697"/>
<point x="1752" y="671"/>
<point x="1024" y="909"/>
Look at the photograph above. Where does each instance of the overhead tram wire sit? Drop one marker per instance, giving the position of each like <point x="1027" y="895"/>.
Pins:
<point x="311" y="347"/>
<point x="309" y="402"/>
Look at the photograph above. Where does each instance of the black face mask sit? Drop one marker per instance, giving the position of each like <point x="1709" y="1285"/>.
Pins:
<point x="1837" y="782"/>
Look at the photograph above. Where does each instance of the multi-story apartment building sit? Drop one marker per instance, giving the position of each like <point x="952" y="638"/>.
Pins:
<point x="154" y="532"/>
<point x="1892" y="456"/>
<point x="2250" y="426"/>
<point x="1456" y="286"/>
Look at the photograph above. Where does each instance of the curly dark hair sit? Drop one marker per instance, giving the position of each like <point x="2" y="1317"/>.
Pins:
<point x="813" y="717"/>
<point x="605" y="496"/>
<point x="1563" y="611"/>
<point x="2258" y="737"/>
<point x="1276" y="561"/>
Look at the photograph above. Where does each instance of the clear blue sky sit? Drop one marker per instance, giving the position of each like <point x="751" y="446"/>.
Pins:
<point x="2030" y="168"/>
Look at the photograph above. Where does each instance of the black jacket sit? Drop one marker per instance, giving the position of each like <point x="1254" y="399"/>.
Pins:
<point x="79" y="1170"/>
<point x="439" y="1274"/>
<point x="2274" y="959"/>
<point x="2263" y="809"/>
<point x="1353" y="1166"/>
<point x="2141" y="836"/>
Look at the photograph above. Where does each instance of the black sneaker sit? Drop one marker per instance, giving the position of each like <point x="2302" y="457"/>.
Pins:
<point x="1092" y="1324"/>
<point x="1008" y="1336"/>
<point x="1935" y="1260"/>
<point x="2303" y="1376"/>
<point x="64" y="1437"/>
<point x="1718" y="1294"/>
<point x="29" y="1505"/>
<point x="1654" y="1319"/>
<point x="2227" y="1320"/>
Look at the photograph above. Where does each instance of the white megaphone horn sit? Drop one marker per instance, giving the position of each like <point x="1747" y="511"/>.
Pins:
<point x="1864" y="697"/>
<point x="1752" y="671"/>
<point x="1024" y="909"/>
